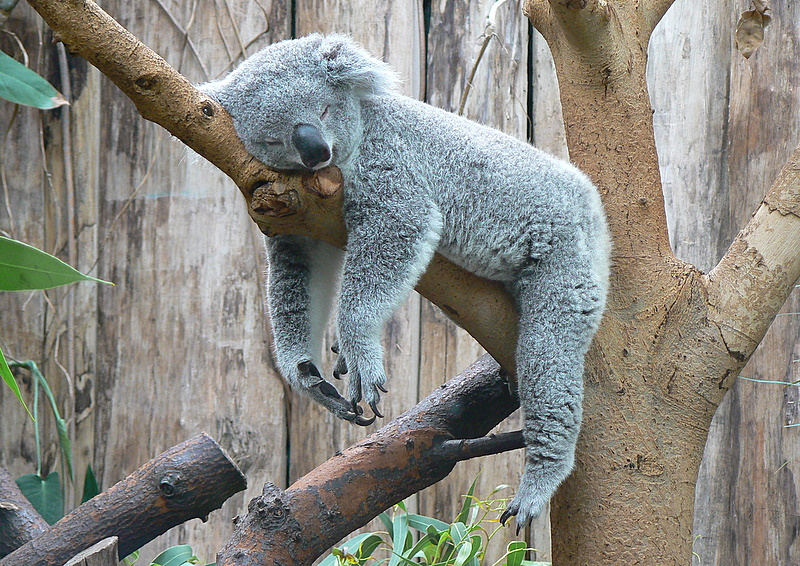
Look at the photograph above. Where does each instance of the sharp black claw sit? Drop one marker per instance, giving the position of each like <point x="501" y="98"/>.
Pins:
<point x="335" y="347"/>
<point x="382" y="388"/>
<point x="374" y="406"/>
<point x="327" y="389"/>
<point x="336" y="375"/>
<point x="505" y="517"/>
<point x="361" y="421"/>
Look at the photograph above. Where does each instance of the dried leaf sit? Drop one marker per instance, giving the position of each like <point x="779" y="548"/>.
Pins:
<point x="750" y="32"/>
<point x="760" y="5"/>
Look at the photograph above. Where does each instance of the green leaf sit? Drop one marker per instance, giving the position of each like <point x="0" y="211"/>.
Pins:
<point x="400" y="535"/>
<point x="90" y="487"/>
<point x="21" y="85"/>
<point x="469" y="501"/>
<point x="174" y="556"/>
<point x="23" y="267"/>
<point x="515" y="553"/>
<point x="8" y="377"/>
<point x="423" y="523"/>
<point x="468" y="550"/>
<point x="44" y="494"/>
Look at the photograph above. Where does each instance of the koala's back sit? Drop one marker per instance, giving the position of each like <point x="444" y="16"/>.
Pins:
<point x="503" y="202"/>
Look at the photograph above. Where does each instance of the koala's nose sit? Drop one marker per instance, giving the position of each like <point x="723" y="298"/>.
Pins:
<point x="311" y="146"/>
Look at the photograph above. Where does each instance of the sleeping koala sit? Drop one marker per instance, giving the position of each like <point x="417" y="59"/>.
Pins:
<point x="418" y="180"/>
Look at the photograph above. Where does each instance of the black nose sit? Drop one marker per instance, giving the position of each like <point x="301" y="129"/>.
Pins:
<point x="308" y="141"/>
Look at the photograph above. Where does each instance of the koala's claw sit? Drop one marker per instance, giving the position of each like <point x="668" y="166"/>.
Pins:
<point x="374" y="406"/>
<point x="381" y="387"/>
<point x="361" y="421"/>
<point x="335" y="347"/>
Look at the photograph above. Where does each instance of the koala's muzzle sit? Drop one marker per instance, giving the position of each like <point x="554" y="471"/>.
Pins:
<point x="309" y="143"/>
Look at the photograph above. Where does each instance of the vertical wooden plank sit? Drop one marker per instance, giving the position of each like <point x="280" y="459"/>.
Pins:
<point x="498" y="97"/>
<point x="183" y="336"/>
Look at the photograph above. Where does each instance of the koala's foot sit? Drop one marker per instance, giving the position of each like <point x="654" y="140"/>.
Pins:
<point x="535" y="490"/>
<point x="310" y="381"/>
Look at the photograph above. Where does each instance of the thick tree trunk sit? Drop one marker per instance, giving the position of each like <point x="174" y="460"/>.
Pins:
<point x="672" y="338"/>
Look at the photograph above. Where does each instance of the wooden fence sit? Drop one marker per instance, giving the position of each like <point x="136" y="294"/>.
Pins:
<point x="181" y="343"/>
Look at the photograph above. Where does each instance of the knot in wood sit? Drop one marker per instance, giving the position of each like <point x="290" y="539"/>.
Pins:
<point x="168" y="485"/>
<point x="207" y="108"/>
<point x="147" y="81"/>
<point x="270" y="200"/>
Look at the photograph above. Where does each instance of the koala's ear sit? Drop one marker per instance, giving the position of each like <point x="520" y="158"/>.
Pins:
<point x="349" y="65"/>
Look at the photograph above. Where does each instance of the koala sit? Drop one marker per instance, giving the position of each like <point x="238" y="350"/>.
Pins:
<point x="419" y="180"/>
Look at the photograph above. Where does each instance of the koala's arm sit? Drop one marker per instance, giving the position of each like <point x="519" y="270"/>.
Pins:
<point x="302" y="284"/>
<point x="391" y="239"/>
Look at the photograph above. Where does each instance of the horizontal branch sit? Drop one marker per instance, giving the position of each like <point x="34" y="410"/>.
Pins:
<point x="188" y="481"/>
<point x="485" y="446"/>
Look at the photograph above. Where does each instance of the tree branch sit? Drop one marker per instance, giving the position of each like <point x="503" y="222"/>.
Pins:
<point x="277" y="202"/>
<point x="19" y="521"/>
<point x="296" y="526"/>
<point x="755" y="276"/>
<point x="187" y="481"/>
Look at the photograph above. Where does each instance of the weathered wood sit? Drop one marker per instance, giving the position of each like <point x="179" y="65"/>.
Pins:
<point x="19" y="521"/>
<point x="104" y="553"/>
<point x="295" y="527"/>
<point x="187" y="481"/>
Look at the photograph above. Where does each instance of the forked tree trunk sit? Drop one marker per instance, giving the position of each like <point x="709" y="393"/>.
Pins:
<point x="673" y="338"/>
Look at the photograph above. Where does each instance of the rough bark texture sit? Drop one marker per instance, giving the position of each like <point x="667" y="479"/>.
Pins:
<point x="19" y="521"/>
<point x="186" y="482"/>
<point x="297" y="526"/>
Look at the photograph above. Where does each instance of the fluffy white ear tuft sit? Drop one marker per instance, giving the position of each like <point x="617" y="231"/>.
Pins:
<point x="349" y="65"/>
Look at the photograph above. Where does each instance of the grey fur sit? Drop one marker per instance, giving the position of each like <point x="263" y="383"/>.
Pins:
<point x="419" y="180"/>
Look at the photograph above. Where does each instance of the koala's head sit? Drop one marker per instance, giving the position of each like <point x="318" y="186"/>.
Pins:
<point x="296" y="103"/>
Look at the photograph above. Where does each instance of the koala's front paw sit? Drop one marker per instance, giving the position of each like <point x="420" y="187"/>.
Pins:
<point x="310" y="381"/>
<point x="366" y="381"/>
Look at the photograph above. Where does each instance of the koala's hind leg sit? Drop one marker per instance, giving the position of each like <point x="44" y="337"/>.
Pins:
<point x="560" y="301"/>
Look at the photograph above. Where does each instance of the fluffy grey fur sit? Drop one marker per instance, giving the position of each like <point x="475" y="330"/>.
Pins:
<point x="418" y="180"/>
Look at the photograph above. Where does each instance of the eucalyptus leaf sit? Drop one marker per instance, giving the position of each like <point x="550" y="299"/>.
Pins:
<point x="21" y="85"/>
<point x="174" y="556"/>
<point x="23" y="267"/>
<point x="90" y="486"/>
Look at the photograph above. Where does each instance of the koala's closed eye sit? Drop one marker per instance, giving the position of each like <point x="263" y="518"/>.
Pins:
<point x="273" y="142"/>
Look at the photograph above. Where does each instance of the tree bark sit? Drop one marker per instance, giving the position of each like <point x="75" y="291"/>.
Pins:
<point x="187" y="481"/>
<point x="19" y="521"/>
<point x="673" y="338"/>
<point x="414" y="451"/>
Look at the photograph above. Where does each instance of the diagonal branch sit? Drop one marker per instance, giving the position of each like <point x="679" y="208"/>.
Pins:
<point x="753" y="279"/>
<point x="285" y="203"/>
